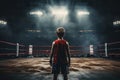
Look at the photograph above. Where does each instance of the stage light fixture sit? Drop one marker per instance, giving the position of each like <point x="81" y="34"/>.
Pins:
<point x="39" y="13"/>
<point x="83" y="13"/>
<point x="116" y="23"/>
<point x="59" y="11"/>
<point x="2" y="22"/>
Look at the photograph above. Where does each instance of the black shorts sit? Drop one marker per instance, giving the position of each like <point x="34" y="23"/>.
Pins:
<point x="60" y="68"/>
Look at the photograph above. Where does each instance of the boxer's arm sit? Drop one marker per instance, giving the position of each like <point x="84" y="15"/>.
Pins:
<point x="68" y="54"/>
<point x="51" y="56"/>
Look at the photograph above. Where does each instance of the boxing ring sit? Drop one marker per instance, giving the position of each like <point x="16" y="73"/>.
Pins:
<point x="9" y="49"/>
<point x="31" y="62"/>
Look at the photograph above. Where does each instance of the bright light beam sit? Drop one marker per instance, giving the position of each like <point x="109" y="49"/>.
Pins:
<point x="83" y="13"/>
<point x="116" y="23"/>
<point x="59" y="11"/>
<point x="39" y="13"/>
<point x="3" y="22"/>
<point x="60" y="14"/>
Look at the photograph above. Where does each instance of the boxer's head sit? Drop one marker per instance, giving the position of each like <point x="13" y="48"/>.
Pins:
<point x="60" y="32"/>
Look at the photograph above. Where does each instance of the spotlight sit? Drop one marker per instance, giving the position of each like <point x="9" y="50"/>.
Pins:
<point x="60" y="11"/>
<point x="2" y="22"/>
<point x="116" y="23"/>
<point x="39" y="13"/>
<point x="83" y="13"/>
<point x="59" y="14"/>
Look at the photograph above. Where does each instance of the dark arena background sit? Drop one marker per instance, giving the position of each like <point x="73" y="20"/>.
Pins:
<point x="27" y="30"/>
